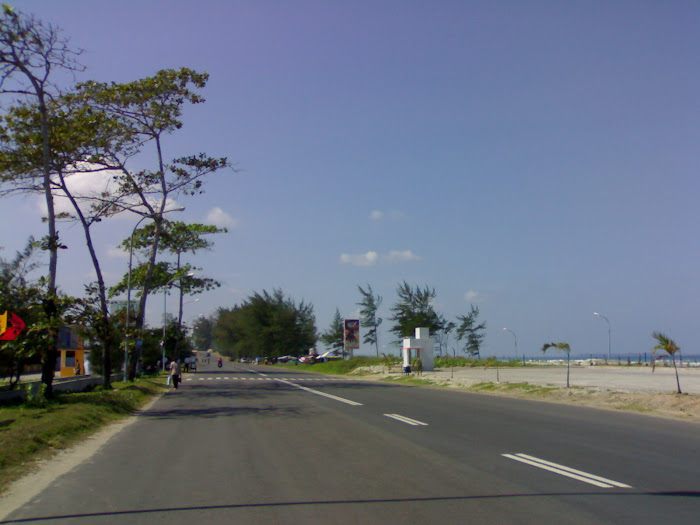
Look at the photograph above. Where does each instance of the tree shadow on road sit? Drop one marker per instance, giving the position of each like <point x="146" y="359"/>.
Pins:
<point x="221" y="411"/>
<point x="378" y="501"/>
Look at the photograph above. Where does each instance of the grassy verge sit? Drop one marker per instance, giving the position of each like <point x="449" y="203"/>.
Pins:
<point x="347" y="366"/>
<point x="339" y="367"/>
<point x="525" y="388"/>
<point x="448" y="362"/>
<point x="36" y="430"/>
<point x="411" y="380"/>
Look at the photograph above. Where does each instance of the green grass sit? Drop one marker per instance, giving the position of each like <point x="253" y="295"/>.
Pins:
<point x="448" y="362"/>
<point x="339" y="367"/>
<point x="37" y="429"/>
<point x="346" y="366"/>
<point x="633" y="407"/>
<point x="511" y="387"/>
<point x="410" y="380"/>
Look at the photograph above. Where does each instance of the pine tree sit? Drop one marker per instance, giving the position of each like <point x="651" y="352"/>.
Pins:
<point x="333" y="337"/>
<point x="370" y="304"/>
<point x="473" y="332"/>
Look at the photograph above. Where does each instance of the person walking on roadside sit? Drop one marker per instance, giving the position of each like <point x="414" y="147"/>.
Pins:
<point x="175" y="372"/>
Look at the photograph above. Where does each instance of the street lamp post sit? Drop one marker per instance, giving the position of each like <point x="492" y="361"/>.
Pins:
<point x="515" y="339"/>
<point x="128" y="297"/>
<point x="607" y="321"/>
<point x="165" y="311"/>
<point x="128" y="288"/>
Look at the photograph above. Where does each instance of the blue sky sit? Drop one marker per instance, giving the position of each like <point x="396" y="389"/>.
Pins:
<point x="538" y="159"/>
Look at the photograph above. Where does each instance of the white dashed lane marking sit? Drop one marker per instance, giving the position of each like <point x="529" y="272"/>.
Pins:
<point x="407" y="420"/>
<point x="319" y="393"/>
<point x="567" y="471"/>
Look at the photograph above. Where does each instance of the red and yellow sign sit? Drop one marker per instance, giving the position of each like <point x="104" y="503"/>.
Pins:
<point x="351" y="334"/>
<point x="16" y="325"/>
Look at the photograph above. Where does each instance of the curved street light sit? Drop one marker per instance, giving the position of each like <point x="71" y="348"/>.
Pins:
<point x="515" y="339"/>
<point x="165" y="311"/>
<point x="128" y="286"/>
<point x="607" y="321"/>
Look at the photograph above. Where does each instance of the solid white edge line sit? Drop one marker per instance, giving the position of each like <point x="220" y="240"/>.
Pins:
<point x="407" y="420"/>
<point x="574" y="471"/>
<point x="330" y="396"/>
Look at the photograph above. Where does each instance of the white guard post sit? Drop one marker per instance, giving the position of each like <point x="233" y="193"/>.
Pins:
<point x="422" y="344"/>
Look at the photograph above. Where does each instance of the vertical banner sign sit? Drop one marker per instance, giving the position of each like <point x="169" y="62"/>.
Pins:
<point x="351" y="335"/>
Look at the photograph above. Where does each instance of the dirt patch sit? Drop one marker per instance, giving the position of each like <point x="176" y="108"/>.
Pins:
<point x="676" y="406"/>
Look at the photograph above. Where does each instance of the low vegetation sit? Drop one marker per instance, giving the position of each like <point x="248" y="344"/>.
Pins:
<point x="511" y="387"/>
<point x="412" y="380"/>
<point x="449" y="362"/>
<point x="357" y="364"/>
<point x="338" y="367"/>
<point x="39" y="428"/>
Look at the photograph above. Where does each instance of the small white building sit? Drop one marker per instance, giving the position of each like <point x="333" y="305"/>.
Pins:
<point x="419" y="346"/>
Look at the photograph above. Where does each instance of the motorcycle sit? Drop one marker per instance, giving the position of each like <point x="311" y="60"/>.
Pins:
<point x="220" y="363"/>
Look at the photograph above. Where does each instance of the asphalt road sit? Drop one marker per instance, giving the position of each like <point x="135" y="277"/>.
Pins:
<point x="247" y="444"/>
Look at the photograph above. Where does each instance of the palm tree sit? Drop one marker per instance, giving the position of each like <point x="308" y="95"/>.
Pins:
<point x="668" y="345"/>
<point x="564" y="347"/>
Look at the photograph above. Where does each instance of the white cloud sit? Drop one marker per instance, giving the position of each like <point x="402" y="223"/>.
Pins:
<point x="372" y="258"/>
<point x="363" y="259"/>
<point x="220" y="218"/>
<point x="378" y="215"/>
<point x="396" y="256"/>
<point x="473" y="296"/>
<point x="116" y="252"/>
<point x="84" y="185"/>
<point x="80" y="185"/>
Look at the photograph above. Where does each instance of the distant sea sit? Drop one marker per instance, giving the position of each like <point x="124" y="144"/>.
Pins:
<point x="616" y="358"/>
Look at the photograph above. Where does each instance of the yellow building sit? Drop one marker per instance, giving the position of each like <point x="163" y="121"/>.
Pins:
<point x="71" y="348"/>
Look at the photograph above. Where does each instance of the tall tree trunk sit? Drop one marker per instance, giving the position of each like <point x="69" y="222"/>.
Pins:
<point x="158" y="219"/>
<point x="103" y="329"/>
<point x="678" y="383"/>
<point x="48" y="362"/>
<point x="141" y="316"/>
<point x="14" y="381"/>
<point x="182" y="293"/>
